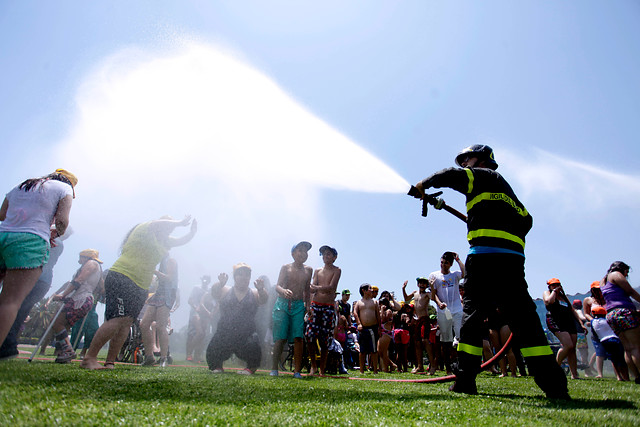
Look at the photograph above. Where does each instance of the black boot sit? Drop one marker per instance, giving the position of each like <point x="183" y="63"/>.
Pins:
<point x="465" y="381"/>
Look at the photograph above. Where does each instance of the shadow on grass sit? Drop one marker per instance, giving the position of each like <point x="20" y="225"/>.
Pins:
<point x="569" y="404"/>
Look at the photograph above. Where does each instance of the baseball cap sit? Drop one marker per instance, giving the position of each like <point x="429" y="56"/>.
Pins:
<point x="325" y="248"/>
<point x="91" y="254"/>
<point x="71" y="177"/>
<point x="346" y="292"/>
<point x="303" y="244"/>
<point x="240" y="266"/>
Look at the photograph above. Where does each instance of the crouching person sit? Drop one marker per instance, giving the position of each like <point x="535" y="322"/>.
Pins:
<point x="76" y="304"/>
<point x="236" y="333"/>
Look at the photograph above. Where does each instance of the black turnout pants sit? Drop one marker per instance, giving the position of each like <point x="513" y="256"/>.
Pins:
<point x="497" y="281"/>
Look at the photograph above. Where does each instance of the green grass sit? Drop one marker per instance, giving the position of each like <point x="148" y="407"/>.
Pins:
<point x="44" y="393"/>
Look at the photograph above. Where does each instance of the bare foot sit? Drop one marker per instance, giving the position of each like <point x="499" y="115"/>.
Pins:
<point x="416" y="370"/>
<point x="91" y="364"/>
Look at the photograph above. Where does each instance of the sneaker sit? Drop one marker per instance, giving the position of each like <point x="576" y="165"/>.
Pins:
<point x="149" y="361"/>
<point x="297" y="375"/>
<point x="245" y="371"/>
<point x="218" y="371"/>
<point x="162" y="362"/>
<point x="66" y="356"/>
<point x="189" y="359"/>
<point x="273" y="373"/>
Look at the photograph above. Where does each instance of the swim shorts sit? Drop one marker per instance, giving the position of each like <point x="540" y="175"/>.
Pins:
<point x="320" y="323"/>
<point x="401" y="336"/>
<point x="288" y="319"/>
<point x="582" y="341"/>
<point x="623" y="319"/>
<point x="124" y="297"/>
<point x="368" y="339"/>
<point x="75" y="314"/>
<point x="21" y="251"/>
<point x="564" y="324"/>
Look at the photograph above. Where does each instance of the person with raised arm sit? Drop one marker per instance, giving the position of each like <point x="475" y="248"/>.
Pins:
<point x="127" y="283"/>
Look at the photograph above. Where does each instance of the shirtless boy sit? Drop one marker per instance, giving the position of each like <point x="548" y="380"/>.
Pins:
<point x="322" y="308"/>
<point x="367" y="314"/>
<point x="293" y="301"/>
<point x="421" y="325"/>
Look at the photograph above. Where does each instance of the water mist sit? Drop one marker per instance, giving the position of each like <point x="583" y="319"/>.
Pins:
<point x="198" y="131"/>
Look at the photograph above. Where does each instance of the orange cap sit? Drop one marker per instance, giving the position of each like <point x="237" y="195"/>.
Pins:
<point x="553" y="281"/>
<point x="595" y="284"/>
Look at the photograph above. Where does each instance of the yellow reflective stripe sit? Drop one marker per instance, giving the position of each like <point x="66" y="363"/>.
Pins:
<point x="494" y="197"/>
<point x="498" y="234"/>
<point x="471" y="349"/>
<point x="543" y="350"/>
<point x="470" y="176"/>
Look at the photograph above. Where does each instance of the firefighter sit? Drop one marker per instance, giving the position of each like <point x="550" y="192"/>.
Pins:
<point x="497" y="223"/>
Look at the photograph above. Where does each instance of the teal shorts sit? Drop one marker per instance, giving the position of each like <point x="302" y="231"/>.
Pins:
<point x="288" y="319"/>
<point x="22" y="251"/>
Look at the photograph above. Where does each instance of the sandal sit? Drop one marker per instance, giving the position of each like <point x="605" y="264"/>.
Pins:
<point x="109" y="365"/>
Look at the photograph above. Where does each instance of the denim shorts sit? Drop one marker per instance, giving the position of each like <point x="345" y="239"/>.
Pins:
<point x="22" y="251"/>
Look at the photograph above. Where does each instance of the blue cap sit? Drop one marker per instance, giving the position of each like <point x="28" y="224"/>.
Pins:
<point x="305" y="245"/>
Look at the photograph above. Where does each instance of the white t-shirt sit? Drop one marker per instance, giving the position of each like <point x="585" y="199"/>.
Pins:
<point x="447" y="288"/>
<point x="602" y="329"/>
<point x="33" y="211"/>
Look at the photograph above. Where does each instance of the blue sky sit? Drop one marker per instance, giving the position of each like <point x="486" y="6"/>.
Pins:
<point x="274" y="122"/>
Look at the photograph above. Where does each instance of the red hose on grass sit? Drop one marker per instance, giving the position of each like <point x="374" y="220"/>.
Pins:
<point x="446" y="378"/>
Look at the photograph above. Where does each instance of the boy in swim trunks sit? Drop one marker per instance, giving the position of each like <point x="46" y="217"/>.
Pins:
<point x="288" y="312"/>
<point x="421" y="323"/>
<point x="367" y="314"/>
<point x="322" y="310"/>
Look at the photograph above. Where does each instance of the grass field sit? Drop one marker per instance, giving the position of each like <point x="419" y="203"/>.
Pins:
<point x="45" y="393"/>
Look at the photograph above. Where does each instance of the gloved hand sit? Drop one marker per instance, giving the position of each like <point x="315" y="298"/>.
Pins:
<point x="416" y="191"/>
